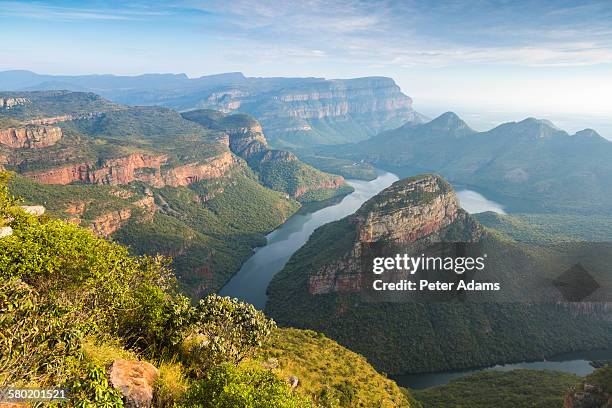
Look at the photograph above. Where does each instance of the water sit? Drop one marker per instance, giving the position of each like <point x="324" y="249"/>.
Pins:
<point x="575" y="363"/>
<point x="474" y="202"/>
<point x="251" y="281"/>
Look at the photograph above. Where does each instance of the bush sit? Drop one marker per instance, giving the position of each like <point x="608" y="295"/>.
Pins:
<point x="228" y="386"/>
<point x="226" y="331"/>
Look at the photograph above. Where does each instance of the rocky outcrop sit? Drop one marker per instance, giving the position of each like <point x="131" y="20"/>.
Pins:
<point x="36" y="210"/>
<point x="137" y="167"/>
<point x="212" y="168"/>
<point x="51" y="120"/>
<point x="588" y="396"/>
<point x="334" y="183"/>
<point x="135" y="380"/>
<point x="408" y="210"/>
<point x="9" y="103"/>
<point x="105" y="225"/>
<point x="415" y="210"/>
<point x="122" y="170"/>
<point x="6" y="231"/>
<point x="31" y="137"/>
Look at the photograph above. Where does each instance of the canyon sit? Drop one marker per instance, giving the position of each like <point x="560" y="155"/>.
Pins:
<point x="293" y="111"/>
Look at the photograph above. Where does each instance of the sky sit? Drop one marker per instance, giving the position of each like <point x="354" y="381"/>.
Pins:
<point x="487" y="60"/>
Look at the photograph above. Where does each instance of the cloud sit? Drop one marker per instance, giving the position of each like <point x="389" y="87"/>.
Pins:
<point x="50" y="12"/>
<point x="419" y="33"/>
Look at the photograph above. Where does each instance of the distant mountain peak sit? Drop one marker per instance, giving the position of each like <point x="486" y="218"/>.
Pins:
<point x="530" y="128"/>
<point x="449" y="122"/>
<point x="588" y="133"/>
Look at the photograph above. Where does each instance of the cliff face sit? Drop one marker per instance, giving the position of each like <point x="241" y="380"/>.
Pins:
<point x="409" y="211"/>
<point x="307" y="111"/>
<point x="343" y="97"/>
<point x="277" y="169"/>
<point x="593" y="392"/>
<point x="108" y="223"/>
<point x="31" y="137"/>
<point x="9" y="103"/>
<point x="136" y="167"/>
<point x="190" y="173"/>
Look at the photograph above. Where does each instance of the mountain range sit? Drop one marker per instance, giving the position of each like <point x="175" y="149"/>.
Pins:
<point x="530" y="166"/>
<point x="155" y="180"/>
<point x="295" y="112"/>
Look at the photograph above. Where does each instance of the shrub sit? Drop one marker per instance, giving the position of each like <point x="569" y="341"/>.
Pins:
<point x="226" y="331"/>
<point x="228" y="386"/>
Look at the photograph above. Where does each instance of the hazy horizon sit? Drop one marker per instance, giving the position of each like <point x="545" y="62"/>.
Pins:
<point x="487" y="60"/>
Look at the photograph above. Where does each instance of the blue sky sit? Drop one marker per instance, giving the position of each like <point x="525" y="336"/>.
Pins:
<point x="544" y="57"/>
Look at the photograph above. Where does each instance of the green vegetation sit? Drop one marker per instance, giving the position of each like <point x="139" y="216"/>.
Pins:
<point x="501" y="389"/>
<point x="71" y="303"/>
<point x="530" y="166"/>
<point x="277" y="169"/>
<point x="56" y="103"/>
<point x="229" y="386"/>
<point x="399" y="337"/>
<point x="87" y="202"/>
<point x="329" y="373"/>
<point x="209" y="228"/>
<point x="602" y="378"/>
<point x="141" y="122"/>
<point x="346" y="168"/>
<point x="550" y="228"/>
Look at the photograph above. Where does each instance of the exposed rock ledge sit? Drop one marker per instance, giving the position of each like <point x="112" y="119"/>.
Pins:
<point x="31" y="137"/>
<point x="412" y="210"/>
<point x="136" y="167"/>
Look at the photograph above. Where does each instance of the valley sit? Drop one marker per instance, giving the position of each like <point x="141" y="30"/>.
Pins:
<point x="264" y="189"/>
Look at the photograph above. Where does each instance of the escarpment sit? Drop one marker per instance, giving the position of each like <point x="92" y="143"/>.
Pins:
<point x="277" y="169"/>
<point x="136" y="167"/>
<point x="415" y="209"/>
<point x="342" y="97"/>
<point x="408" y="210"/>
<point x="31" y="137"/>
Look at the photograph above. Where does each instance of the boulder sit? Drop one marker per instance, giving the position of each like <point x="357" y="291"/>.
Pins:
<point x="135" y="380"/>
<point x="293" y="382"/>
<point x="5" y="232"/>
<point x="37" y="210"/>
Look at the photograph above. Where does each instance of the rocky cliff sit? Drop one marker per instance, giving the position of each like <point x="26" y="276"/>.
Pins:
<point x="594" y="392"/>
<point x="31" y="137"/>
<point x="278" y="169"/>
<point x="319" y="111"/>
<point x="327" y="286"/>
<point x="340" y="97"/>
<point x="9" y="103"/>
<point x="408" y="210"/>
<point x="414" y="209"/>
<point x="136" y="167"/>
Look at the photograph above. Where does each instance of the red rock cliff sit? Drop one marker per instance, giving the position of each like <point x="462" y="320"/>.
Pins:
<point x="30" y="136"/>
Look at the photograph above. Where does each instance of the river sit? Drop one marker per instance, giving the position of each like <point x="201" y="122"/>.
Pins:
<point x="251" y="281"/>
<point x="574" y="362"/>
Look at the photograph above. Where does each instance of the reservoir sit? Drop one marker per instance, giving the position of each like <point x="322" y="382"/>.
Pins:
<point x="574" y="362"/>
<point x="251" y="281"/>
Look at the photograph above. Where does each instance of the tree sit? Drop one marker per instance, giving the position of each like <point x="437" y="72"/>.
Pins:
<point x="226" y="331"/>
